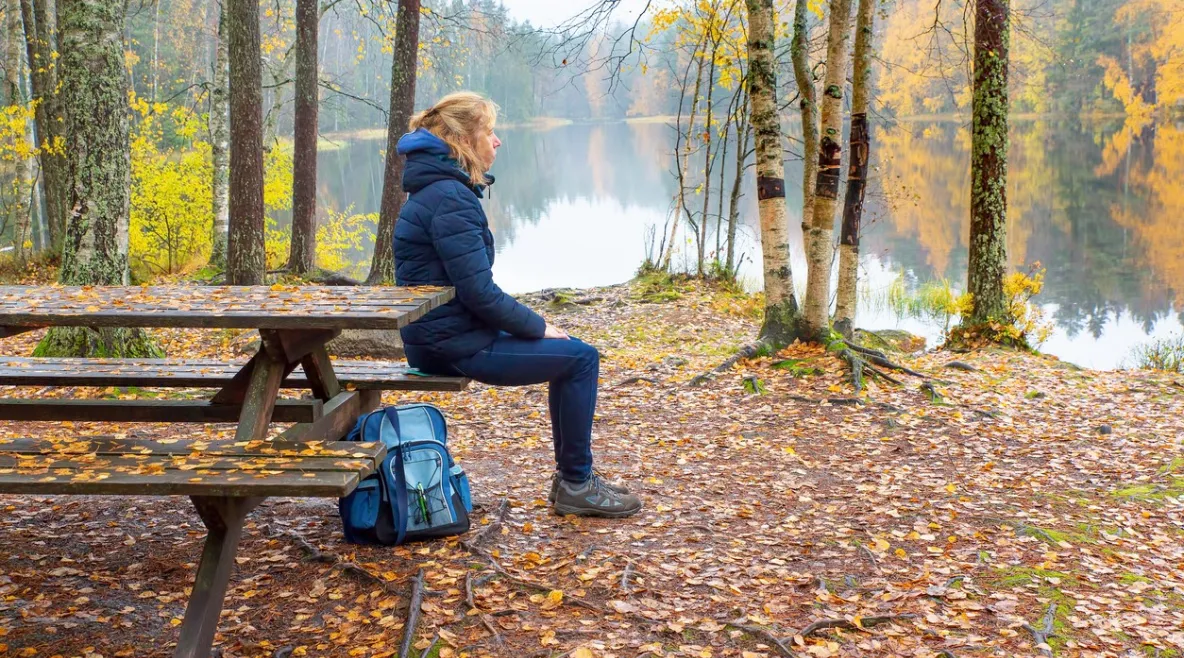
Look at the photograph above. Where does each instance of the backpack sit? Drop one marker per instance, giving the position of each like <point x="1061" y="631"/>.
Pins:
<point x="419" y="492"/>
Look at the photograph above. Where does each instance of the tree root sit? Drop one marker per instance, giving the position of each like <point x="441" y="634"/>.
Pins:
<point x="747" y="352"/>
<point x="412" y="614"/>
<point x="864" y="624"/>
<point x="766" y="635"/>
<point x="313" y="554"/>
<point x="1041" y="635"/>
<point x="499" y="516"/>
<point x="634" y="380"/>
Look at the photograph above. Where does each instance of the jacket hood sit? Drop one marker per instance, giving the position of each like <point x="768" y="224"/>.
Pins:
<point x="429" y="160"/>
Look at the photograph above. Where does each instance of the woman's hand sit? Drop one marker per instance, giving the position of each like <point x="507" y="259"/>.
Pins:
<point x="555" y="332"/>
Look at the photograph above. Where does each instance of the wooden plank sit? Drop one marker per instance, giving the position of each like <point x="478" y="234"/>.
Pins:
<point x="341" y="414"/>
<point x="292" y="346"/>
<point x="331" y="484"/>
<point x="248" y="307"/>
<point x="149" y="411"/>
<point x="206" y="373"/>
<point x="318" y="370"/>
<point x="105" y="445"/>
<point x="154" y="464"/>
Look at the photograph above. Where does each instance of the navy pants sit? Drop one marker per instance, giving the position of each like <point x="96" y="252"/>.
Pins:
<point x="572" y="368"/>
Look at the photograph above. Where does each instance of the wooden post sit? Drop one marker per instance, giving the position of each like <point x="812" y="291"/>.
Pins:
<point x="223" y="517"/>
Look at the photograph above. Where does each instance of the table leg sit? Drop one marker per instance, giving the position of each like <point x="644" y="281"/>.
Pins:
<point x="260" y="398"/>
<point x="223" y="518"/>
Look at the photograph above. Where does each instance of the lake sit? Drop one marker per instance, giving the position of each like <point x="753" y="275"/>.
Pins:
<point x="1099" y="205"/>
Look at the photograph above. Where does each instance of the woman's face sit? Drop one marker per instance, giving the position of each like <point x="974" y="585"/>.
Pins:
<point x="487" y="144"/>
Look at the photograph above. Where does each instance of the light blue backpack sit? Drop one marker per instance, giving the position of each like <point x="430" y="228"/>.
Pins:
<point x="418" y="493"/>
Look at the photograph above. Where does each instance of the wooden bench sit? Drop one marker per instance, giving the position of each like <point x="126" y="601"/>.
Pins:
<point x="369" y="377"/>
<point x="224" y="479"/>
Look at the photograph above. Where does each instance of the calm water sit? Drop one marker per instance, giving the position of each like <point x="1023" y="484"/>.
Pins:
<point x="1099" y="205"/>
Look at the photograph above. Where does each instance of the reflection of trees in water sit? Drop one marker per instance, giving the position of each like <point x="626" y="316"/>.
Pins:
<point x="1099" y="205"/>
<point x="1098" y="209"/>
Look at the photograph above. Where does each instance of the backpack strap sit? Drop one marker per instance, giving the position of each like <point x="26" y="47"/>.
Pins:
<point x="400" y="498"/>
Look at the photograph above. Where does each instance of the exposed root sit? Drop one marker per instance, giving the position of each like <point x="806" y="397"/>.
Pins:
<point x="766" y="635"/>
<point x="961" y="365"/>
<point x="313" y="554"/>
<point x="499" y="517"/>
<point x="1041" y="635"/>
<point x="412" y="614"/>
<point x="634" y="380"/>
<point x="864" y="624"/>
<point x="747" y="352"/>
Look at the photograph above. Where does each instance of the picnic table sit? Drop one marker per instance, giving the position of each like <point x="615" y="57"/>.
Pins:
<point x="224" y="479"/>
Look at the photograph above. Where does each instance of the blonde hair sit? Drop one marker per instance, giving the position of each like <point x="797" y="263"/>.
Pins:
<point x="459" y="119"/>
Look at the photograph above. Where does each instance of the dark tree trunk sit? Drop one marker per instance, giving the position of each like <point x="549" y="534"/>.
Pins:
<point x="856" y="171"/>
<point x="245" y="255"/>
<point x="304" y="169"/>
<point x="98" y="150"/>
<point x="988" y="163"/>
<point x="43" y="87"/>
<point x="220" y="146"/>
<point x="403" y="70"/>
<point x="782" y="317"/>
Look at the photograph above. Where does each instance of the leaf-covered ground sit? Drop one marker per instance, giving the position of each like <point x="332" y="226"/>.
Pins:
<point x="1036" y="509"/>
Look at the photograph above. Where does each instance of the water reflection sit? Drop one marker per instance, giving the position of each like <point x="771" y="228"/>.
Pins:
<point x="1099" y="205"/>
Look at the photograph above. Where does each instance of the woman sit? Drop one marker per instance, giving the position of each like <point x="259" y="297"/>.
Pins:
<point x="442" y="238"/>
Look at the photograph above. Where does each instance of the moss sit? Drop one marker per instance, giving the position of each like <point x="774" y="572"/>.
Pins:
<point x="796" y="368"/>
<point x="1128" y="578"/>
<point x="116" y="342"/>
<point x="1024" y="576"/>
<point x="1152" y="492"/>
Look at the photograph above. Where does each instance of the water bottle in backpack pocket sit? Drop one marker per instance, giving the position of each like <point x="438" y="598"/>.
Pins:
<point x="419" y="492"/>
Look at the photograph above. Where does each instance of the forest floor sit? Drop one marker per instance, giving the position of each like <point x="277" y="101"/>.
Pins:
<point x="1038" y="509"/>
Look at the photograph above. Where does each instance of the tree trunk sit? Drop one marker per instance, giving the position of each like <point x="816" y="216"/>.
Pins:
<point x="44" y="89"/>
<point x="800" y="54"/>
<point x="304" y="168"/>
<point x="11" y="93"/>
<point x="820" y="254"/>
<point x="245" y="255"/>
<point x="98" y="151"/>
<point x="50" y="176"/>
<point x="403" y="72"/>
<point x="744" y="132"/>
<point x="219" y="143"/>
<point x="782" y="319"/>
<point x="988" y="163"/>
<point x="856" y="171"/>
<point x="683" y="164"/>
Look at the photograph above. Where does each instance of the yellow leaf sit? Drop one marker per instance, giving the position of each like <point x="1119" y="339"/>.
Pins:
<point x="582" y="652"/>
<point x="554" y="600"/>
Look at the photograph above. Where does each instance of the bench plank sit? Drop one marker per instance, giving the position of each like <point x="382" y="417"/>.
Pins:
<point x="150" y="411"/>
<point x="205" y="373"/>
<point x="105" y="445"/>
<point x="230" y="469"/>
<point x="35" y="464"/>
<point x="322" y="484"/>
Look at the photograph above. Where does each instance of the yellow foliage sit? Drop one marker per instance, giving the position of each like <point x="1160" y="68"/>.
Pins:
<point x="171" y="198"/>
<point x="341" y="241"/>
<point x="1028" y="323"/>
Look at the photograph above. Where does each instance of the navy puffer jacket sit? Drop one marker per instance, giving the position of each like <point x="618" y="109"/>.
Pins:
<point x="442" y="238"/>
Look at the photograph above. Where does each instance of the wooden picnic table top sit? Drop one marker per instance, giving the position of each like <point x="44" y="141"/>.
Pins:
<point x="229" y="307"/>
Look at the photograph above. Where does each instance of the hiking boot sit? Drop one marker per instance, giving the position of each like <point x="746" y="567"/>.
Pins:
<point x="594" y="498"/>
<point x="615" y="486"/>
